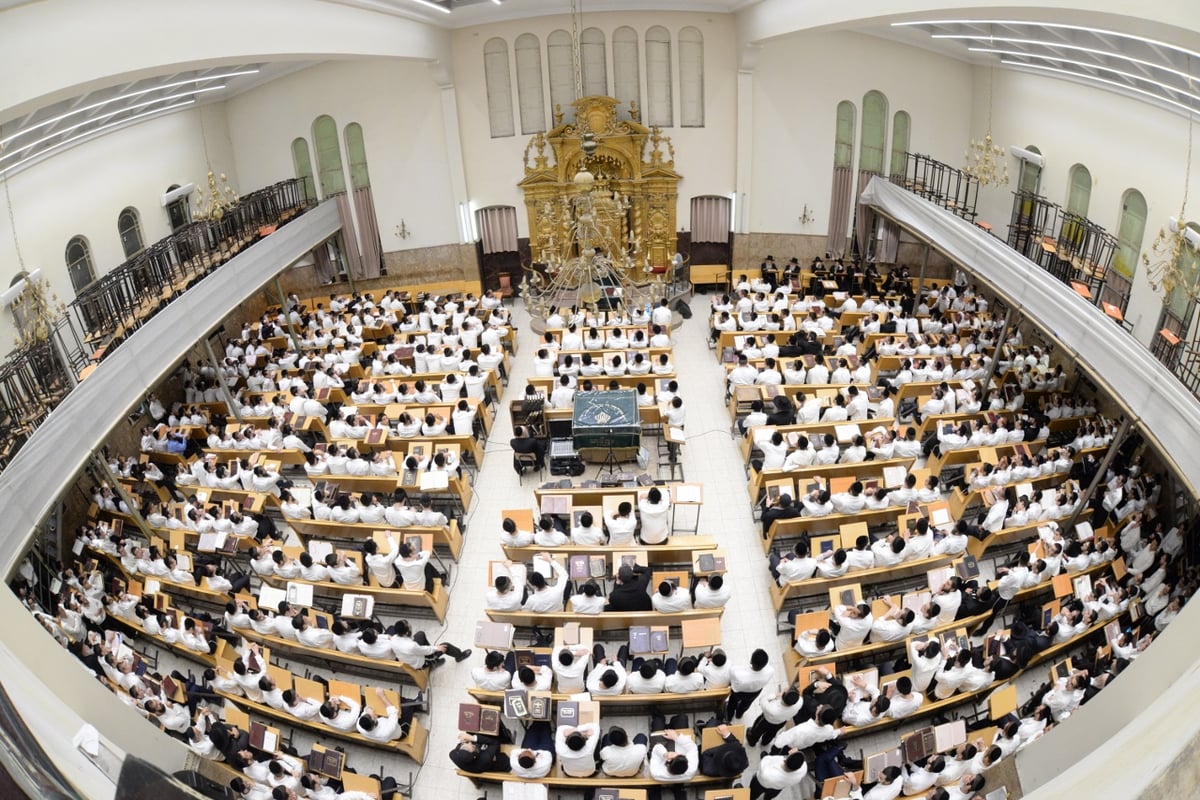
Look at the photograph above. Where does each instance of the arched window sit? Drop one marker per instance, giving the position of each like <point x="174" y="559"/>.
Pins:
<point x="1031" y="173"/>
<point x="79" y="263"/>
<point x="627" y="76"/>
<point x="691" y="78"/>
<point x="874" y="132"/>
<point x="356" y="152"/>
<point x="658" y="77"/>
<point x="594" y="61"/>
<point x="302" y="164"/>
<point x="530" y="98"/>
<point x="842" y="194"/>
<point x="901" y="128"/>
<point x="1188" y="264"/>
<point x="499" y="87"/>
<point x="329" y="156"/>
<point x="843" y="148"/>
<point x="129" y="227"/>
<point x="1079" y="197"/>
<point x="1131" y="229"/>
<point x="562" y="70"/>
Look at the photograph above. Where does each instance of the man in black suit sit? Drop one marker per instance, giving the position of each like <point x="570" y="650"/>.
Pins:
<point x="476" y="753"/>
<point x="525" y="443"/>
<point x="726" y="760"/>
<point x="629" y="592"/>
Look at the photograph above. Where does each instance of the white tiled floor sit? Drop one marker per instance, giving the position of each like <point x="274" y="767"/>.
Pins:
<point x="710" y="457"/>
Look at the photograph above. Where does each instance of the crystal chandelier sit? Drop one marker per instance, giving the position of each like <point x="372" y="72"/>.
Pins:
<point x="1164" y="259"/>
<point x="37" y="309"/>
<point x="986" y="161"/>
<point x="216" y="197"/>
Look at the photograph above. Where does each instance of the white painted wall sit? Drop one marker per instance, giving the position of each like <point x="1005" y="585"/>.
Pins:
<point x="705" y="157"/>
<point x="1123" y="142"/>
<point x="398" y="105"/>
<point x="798" y="82"/>
<point x="82" y="190"/>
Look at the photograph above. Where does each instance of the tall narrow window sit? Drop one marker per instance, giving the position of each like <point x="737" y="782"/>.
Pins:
<point x="874" y="132"/>
<point x="659" y="110"/>
<point x="329" y="156"/>
<point x="901" y="128"/>
<point x="843" y="179"/>
<point x="1031" y="173"/>
<point x="530" y="98"/>
<point x="356" y="152"/>
<point x="302" y="165"/>
<point x="627" y="76"/>
<point x="499" y="87"/>
<point x="691" y="78"/>
<point x="79" y="263"/>
<point x="129" y="227"/>
<point x="870" y="164"/>
<point x="562" y="70"/>
<point x="1131" y="229"/>
<point x="1080" y="194"/>
<point x="594" y="61"/>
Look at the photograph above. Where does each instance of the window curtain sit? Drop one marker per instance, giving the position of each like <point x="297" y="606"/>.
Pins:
<point x="497" y="229"/>
<point x="864" y="217"/>
<point x="368" y="232"/>
<point x="710" y="219"/>
<point x="349" y="243"/>
<point x="889" y="243"/>
<point x="839" y="210"/>
<point x="323" y="264"/>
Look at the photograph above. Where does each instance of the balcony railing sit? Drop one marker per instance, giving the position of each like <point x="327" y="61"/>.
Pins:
<point x="34" y="379"/>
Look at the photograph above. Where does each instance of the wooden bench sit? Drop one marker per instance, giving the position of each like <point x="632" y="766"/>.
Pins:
<point x="861" y="470"/>
<point x="678" y="549"/>
<point x="749" y="443"/>
<point x="819" y="587"/>
<point x="604" y="621"/>
<point x="337" y="659"/>
<point x="630" y="703"/>
<point x="436" y="601"/>
<point x="449" y="537"/>
<point x="413" y="745"/>
<point x="798" y="526"/>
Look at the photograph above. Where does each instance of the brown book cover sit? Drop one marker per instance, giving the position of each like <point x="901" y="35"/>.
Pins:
<point x="376" y="436"/>
<point x="468" y="717"/>
<point x="489" y="721"/>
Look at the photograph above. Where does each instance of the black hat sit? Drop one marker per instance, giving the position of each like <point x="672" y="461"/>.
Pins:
<point x="770" y="258"/>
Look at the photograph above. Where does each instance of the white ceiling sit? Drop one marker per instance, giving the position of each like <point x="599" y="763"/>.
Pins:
<point x="1150" y="70"/>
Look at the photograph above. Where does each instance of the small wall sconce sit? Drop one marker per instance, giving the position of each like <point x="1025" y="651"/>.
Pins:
<point x="402" y="231"/>
<point x="807" y="216"/>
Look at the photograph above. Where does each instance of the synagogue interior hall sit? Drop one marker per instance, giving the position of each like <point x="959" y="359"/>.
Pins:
<point x="560" y="399"/>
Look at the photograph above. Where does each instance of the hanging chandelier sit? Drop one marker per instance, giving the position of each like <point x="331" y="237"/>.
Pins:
<point x="1165" y="257"/>
<point x="986" y="161"/>
<point x="590" y="266"/>
<point x="217" y="197"/>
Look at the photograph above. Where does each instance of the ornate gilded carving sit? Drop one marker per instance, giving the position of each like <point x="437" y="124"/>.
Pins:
<point x="637" y="191"/>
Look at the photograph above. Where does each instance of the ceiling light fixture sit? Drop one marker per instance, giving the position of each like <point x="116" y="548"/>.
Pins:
<point x="1094" y="51"/>
<point x="431" y="4"/>
<point x="126" y="96"/>
<point x="1100" y="67"/>
<point x="107" y="115"/>
<point x="86" y="134"/>
<point x="986" y="160"/>
<point x="1053" y="25"/>
<point x="1117" y="84"/>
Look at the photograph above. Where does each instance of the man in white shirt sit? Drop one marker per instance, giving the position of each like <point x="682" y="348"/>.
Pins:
<point x="854" y="624"/>
<point x="620" y="758"/>
<point x="576" y="749"/>
<point x="746" y="682"/>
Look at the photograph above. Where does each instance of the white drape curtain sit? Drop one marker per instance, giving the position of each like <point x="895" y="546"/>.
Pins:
<point x="839" y="210"/>
<point x="368" y="232"/>
<point x="497" y="229"/>
<point x="711" y="219"/>
<point x="864" y="217"/>
<point x="889" y="243"/>
<point x="352" y="262"/>
<point x="323" y="264"/>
